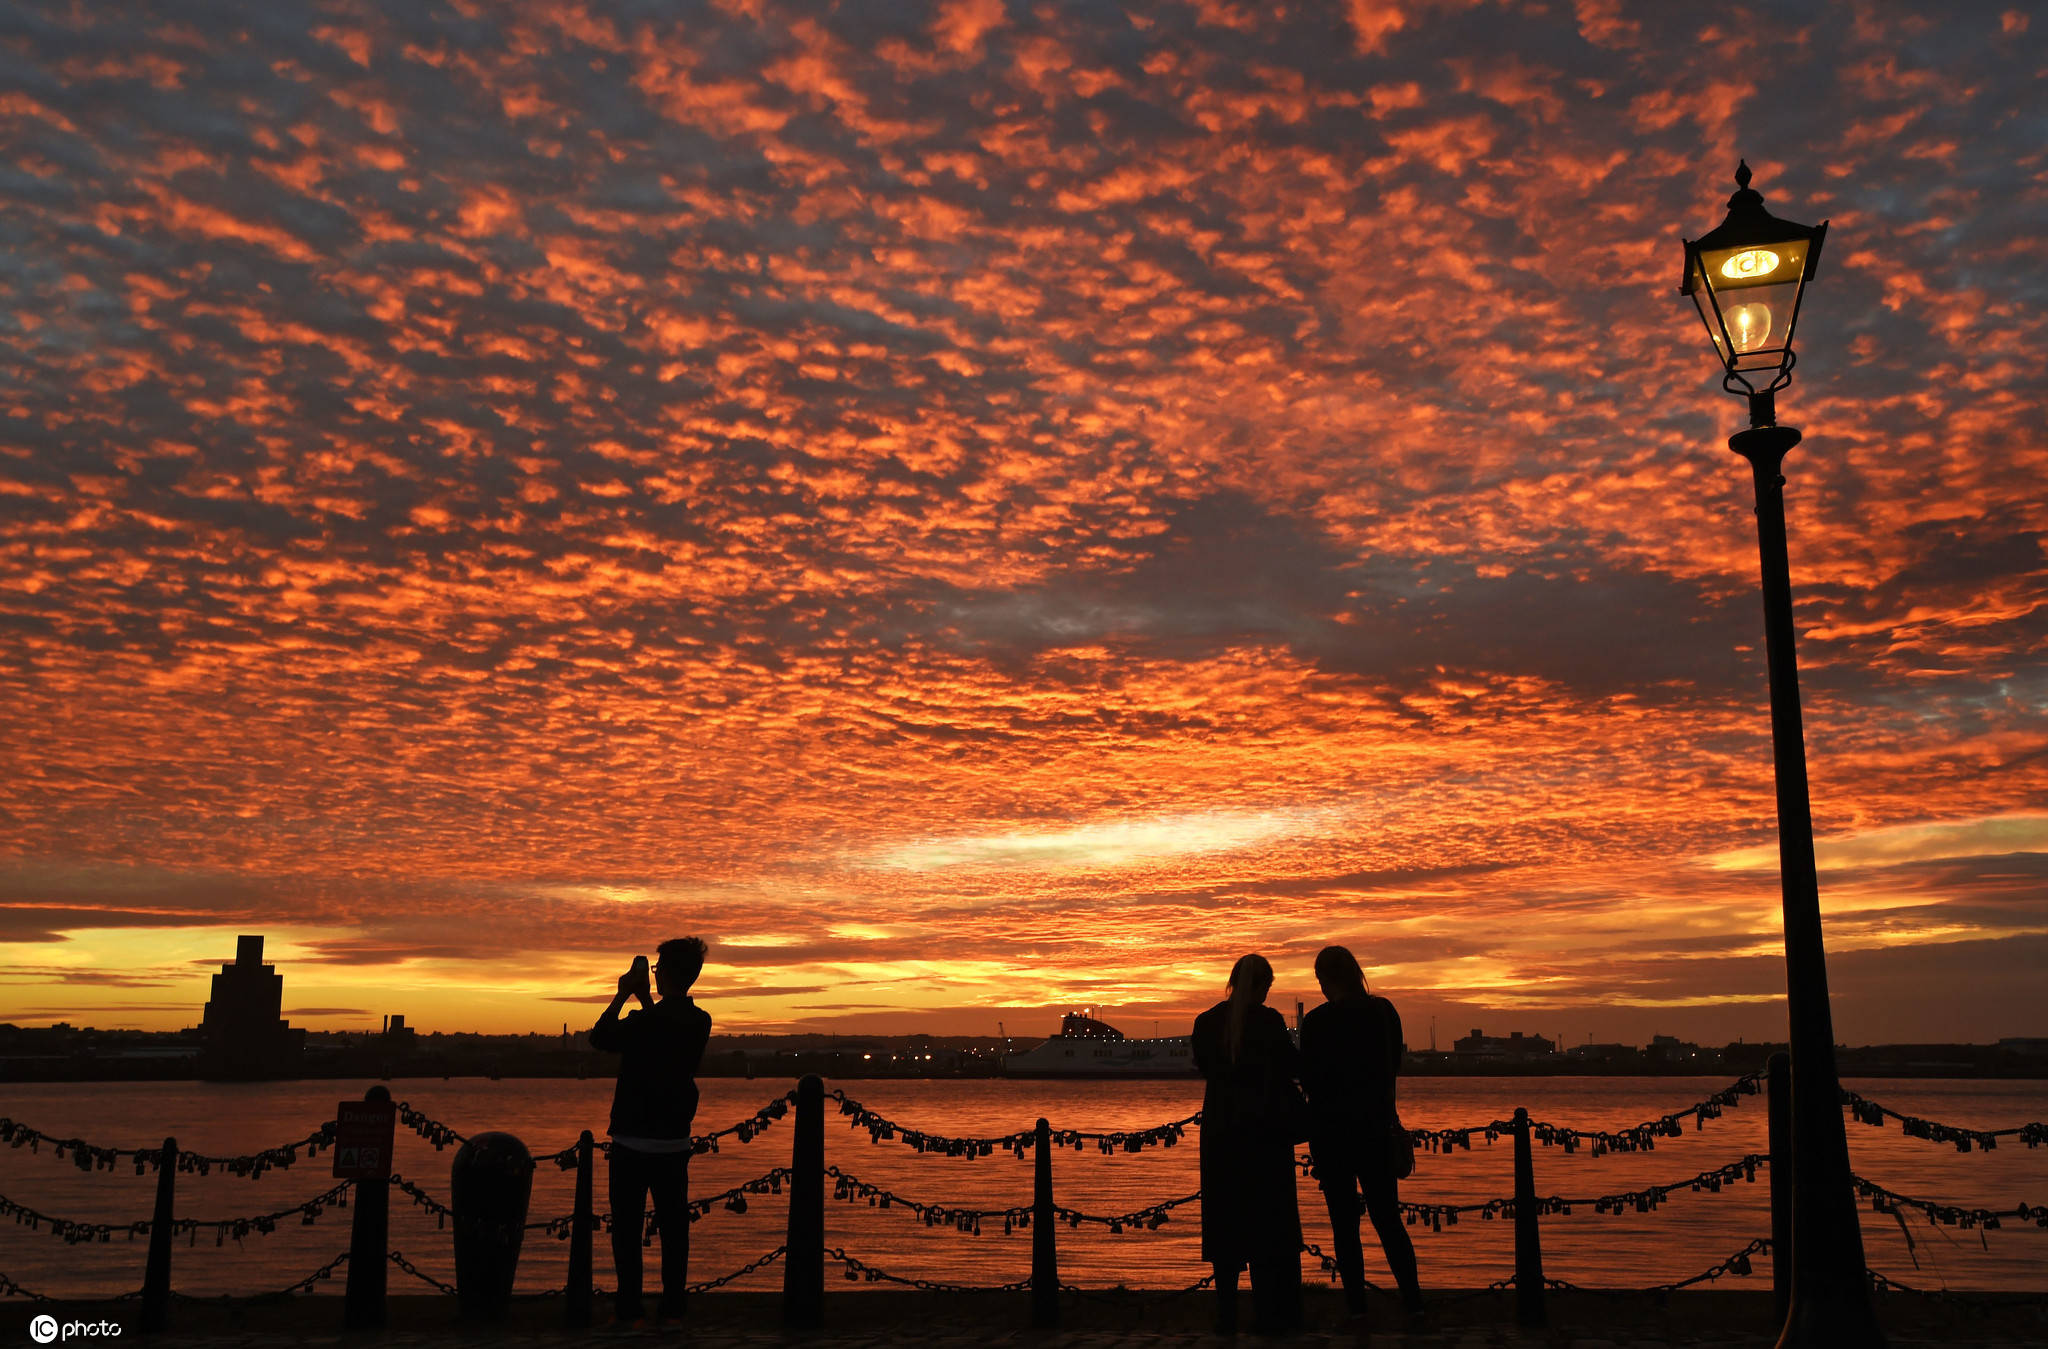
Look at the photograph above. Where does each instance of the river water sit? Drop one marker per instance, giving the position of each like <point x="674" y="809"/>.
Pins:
<point x="1688" y="1233"/>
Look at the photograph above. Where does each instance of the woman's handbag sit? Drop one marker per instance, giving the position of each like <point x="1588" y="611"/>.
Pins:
<point x="1278" y="1112"/>
<point x="1400" y="1151"/>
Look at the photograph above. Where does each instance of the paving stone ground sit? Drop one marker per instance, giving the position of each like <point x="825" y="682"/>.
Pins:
<point x="859" y="1320"/>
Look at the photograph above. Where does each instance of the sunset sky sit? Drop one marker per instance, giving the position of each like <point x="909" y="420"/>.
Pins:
<point x="990" y="508"/>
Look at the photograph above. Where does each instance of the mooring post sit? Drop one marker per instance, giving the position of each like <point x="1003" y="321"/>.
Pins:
<point x="362" y="1302"/>
<point x="490" y="1187"/>
<point x="803" y="1259"/>
<point x="1529" y="1309"/>
<point x="156" y="1276"/>
<point x="577" y="1302"/>
<point x="1779" y="1079"/>
<point x="1045" y="1259"/>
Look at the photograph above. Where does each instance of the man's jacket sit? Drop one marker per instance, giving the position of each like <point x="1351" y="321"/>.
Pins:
<point x="659" y="1048"/>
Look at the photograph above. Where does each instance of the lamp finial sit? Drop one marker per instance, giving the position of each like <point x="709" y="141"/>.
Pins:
<point x="1742" y="173"/>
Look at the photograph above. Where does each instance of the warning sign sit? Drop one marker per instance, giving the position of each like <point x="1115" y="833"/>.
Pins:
<point x="362" y="1139"/>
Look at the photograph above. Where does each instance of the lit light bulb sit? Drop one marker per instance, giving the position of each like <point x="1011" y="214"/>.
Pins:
<point x="1748" y="326"/>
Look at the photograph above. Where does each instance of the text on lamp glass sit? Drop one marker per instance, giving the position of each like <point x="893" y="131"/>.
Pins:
<point x="1749" y="264"/>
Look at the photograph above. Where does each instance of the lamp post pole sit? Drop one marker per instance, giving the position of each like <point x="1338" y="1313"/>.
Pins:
<point x="1830" y="1292"/>
<point x="1747" y="277"/>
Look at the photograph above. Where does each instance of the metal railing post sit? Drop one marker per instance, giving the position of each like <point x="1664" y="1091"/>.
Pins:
<point x="156" y="1276"/>
<point x="1045" y="1262"/>
<point x="1529" y="1308"/>
<point x="577" y="1300"/>
<point x="803" y="1260"/>
<point x="1779" y="1068"/>
<point x="369" y="1239"/>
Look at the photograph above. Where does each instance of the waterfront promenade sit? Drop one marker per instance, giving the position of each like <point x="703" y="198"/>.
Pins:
<point x="847" y="1299"/>
<point x="1730" y="1317"/>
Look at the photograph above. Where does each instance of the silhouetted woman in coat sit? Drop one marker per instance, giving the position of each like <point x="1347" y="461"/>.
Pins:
<point x="1350" y="1056"/>
<point x="1251" y="1119"/>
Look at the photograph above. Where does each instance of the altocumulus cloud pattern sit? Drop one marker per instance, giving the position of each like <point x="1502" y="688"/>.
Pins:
<point x="989" y="504"/>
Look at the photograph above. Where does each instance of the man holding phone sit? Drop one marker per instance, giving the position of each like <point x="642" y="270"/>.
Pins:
<point x="660" y="1047"/>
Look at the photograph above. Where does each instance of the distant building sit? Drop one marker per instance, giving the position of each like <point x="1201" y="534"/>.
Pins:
<point x="243" y="1033"/>
<point x="1516" y="1046"/>
<point x="1671" y="1049"/>
<point x="396" y="1033"/>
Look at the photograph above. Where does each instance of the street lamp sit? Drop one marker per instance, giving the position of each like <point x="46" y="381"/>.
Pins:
<point x="1748" y="277"/>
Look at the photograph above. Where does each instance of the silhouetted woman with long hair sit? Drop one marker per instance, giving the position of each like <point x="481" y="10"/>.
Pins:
<point x="1251" y="1119"/>
<point x="1350" y="1056"/>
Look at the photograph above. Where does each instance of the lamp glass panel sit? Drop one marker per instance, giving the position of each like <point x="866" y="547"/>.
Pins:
<point x="1703" y="300"/>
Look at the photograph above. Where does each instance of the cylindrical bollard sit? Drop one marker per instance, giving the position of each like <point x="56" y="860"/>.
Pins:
<point x="1779" y="1082"/>
<point x="1045" y="1259"/>
<point x="156" y="1275"/>
<point x="577" y="1301"/>
<point x="368" y="1246"/>
<point x="1529" y="1309"/>
<point x="803" y="1259"/>
<point x="489" y="1187"/>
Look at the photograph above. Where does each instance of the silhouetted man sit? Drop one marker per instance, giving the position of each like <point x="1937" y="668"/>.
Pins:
<point x="659" y="1049"/>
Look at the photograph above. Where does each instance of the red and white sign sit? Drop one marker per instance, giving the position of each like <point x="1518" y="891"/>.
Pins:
<point x="363" y="1131"/>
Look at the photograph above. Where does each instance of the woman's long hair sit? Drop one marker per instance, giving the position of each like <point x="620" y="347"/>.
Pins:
<point x="1337" y="967"/>
<point x="1251" y="978"/>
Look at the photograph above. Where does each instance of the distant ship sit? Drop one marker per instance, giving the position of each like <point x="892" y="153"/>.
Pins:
<point x="1086" y="1047"/>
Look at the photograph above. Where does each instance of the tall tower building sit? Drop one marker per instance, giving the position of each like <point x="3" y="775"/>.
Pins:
<point x="245" y="1033"/>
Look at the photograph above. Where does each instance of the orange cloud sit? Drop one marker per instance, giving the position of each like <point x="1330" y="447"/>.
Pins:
<point x="985" y="508"/>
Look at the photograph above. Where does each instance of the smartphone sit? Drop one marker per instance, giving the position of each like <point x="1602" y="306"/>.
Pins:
<point x="640" y="971"/>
